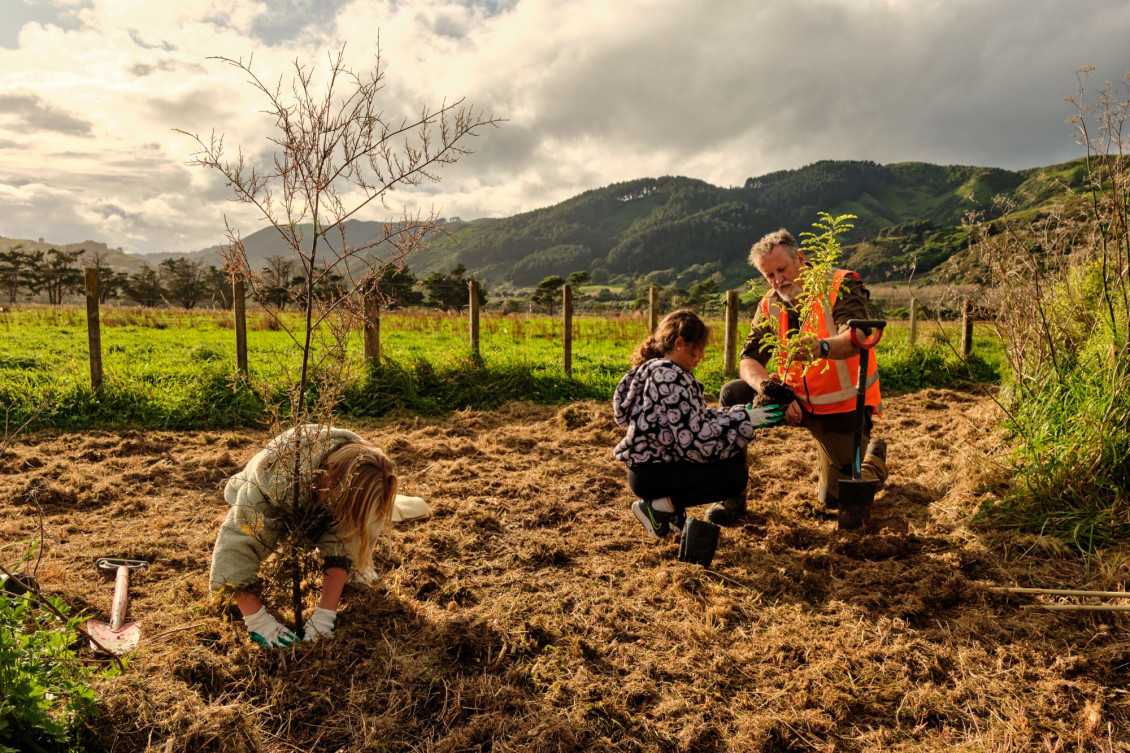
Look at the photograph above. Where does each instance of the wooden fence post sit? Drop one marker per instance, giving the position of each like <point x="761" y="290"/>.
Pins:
<point x="373" y="328"/>
<point x="966" y="328"/>
<point x="93" y="329"/>
<point x="912" y="335"/>
<point x="473" y="285"/>
<point x="730" y="364"/>
<point x="567" y="327"/>
<point x="652" y="308"/>
<point x="239" y="311"/>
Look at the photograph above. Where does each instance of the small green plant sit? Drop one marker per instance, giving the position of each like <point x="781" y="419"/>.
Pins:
<point x="44" y="695"/>
<point x="821" y="251"/>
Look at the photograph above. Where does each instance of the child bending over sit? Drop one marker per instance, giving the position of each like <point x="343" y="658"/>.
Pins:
<point x="347" y="490"/>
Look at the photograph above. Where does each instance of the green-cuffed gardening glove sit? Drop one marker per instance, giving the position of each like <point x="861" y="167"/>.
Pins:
<point x="267" y="631"/>
<point x="766" y="415"/>
<point x="320" y="624"/>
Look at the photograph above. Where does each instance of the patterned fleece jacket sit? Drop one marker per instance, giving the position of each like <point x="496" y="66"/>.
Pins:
<point x="663" y="408"/>
<point x="261" y="494"/>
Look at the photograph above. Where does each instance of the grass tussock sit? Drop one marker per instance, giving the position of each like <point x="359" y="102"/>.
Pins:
<point x="1063" y="290"/>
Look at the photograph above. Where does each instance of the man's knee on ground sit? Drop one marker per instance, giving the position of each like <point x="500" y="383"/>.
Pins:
<point x="735" y="392"/>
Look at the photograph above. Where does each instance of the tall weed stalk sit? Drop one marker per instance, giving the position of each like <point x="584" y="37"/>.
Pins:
<point x="1063" y="297"/>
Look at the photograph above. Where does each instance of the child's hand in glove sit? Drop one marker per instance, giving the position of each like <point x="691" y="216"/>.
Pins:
<point x="767" y="415"/>
<point x="320" y="624"/>
<point x="267" y="631"/>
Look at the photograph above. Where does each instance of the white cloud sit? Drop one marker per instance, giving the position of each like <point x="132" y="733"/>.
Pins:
<point x="594" y="92"/>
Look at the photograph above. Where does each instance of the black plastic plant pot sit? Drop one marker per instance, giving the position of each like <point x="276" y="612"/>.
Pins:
<point x="18" y="584"/>
<point x="856" y="497"/>
<point x="699" y="542"/>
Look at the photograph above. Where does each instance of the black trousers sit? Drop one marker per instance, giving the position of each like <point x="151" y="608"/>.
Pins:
<point x="690" y="484"/>
<point x="835" y="442"/>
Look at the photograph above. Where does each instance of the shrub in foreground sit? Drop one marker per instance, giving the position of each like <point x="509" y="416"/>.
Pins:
<point x="44" y="697"/>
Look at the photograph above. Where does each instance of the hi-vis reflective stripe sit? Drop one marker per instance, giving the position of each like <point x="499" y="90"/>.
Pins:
<point x="844" y="378"/>
<point x="843" y="394"/>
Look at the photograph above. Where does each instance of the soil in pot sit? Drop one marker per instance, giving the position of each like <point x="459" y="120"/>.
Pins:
<point x="772" y="392"/>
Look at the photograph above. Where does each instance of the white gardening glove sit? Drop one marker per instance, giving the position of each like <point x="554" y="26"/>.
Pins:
<point x="766" y="415"/>
<point x="267" y="631"/>
<point x="320" y="624"/>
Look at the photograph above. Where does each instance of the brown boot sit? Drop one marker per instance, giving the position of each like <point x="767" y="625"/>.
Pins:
<point x="874" y="463"/>
<point x="728" y="511"/>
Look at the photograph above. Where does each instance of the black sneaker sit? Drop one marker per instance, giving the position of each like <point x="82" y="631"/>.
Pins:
<point x="679" y="522"/>
<point x="656" y="523"/>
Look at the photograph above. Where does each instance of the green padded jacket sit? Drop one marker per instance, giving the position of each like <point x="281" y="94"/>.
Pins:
<point x="260" y="496"/>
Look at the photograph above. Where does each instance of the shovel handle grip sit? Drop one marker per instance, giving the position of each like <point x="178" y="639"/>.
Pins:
<point x="111" y="564"/>
<point x="122" y="568"/>
<point x="866" y="325"/>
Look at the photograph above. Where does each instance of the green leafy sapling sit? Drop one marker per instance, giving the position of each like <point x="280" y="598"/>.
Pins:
<point x="821" y="251"/>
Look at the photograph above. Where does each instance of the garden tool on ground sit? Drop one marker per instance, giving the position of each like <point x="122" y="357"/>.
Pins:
<point x="857" y="494"/>
<point x="119" y="637"/>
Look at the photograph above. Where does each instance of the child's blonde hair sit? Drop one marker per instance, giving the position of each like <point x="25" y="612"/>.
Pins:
<point x="358" y="486"/>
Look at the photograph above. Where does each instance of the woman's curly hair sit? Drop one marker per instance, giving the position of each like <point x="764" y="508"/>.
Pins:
<point x="683" y="323"/>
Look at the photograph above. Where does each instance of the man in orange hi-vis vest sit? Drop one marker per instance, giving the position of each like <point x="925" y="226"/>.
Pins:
<point x="826" y="392"/>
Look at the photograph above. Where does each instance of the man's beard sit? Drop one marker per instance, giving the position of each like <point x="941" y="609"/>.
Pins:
<point x="786" y="294"/>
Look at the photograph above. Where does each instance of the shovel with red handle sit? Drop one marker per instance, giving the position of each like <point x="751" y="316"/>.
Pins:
<point x="856" y="494"/>
<point x="118" y="637"/>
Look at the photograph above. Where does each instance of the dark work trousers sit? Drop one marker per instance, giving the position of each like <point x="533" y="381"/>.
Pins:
<point x="835" y="442"/>
<point x="690" y="484"/>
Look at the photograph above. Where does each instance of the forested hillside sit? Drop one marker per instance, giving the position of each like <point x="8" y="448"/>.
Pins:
<point x="909" y="214"/>
<point x="681" y="231"/>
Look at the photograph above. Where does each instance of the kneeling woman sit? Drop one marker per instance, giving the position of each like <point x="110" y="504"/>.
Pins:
<point x="679" y="452"/>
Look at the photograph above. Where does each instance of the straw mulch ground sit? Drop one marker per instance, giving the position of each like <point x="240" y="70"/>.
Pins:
<point x="530" y="614"/>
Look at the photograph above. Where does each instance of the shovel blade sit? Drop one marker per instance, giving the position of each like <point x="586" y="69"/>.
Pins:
<point x="118" y="642"/>
<point x="856" y="497"/>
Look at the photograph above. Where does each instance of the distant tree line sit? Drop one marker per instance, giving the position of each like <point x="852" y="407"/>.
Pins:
<point x="54" y="274"/>
<point x="699" y="288"/>
<point x="397" y="286"/>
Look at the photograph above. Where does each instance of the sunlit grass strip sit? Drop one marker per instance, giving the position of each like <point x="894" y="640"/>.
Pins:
<point x="175" y="368"/>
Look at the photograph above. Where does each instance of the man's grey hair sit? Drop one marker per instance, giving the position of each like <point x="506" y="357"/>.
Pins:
<point x="780" y="237"/>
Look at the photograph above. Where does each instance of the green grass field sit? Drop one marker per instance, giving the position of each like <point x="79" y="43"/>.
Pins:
<point x="172" y="368"/>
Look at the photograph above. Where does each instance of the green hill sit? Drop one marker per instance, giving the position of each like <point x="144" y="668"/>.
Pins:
<point x="910" y="218"/>
<point x="674" y="228"/>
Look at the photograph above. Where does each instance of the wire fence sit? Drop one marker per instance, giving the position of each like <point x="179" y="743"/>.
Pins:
<point x="377" y="301"/>
<point x="472" y="324"/>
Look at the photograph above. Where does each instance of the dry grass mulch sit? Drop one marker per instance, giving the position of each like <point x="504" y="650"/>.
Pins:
<point x="530" y="614"/>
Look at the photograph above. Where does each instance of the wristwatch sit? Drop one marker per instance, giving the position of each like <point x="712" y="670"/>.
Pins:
<point x="825" y="348"/>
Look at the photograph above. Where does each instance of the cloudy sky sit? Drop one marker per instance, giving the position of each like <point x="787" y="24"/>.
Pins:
<point x="593" y="92"/>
